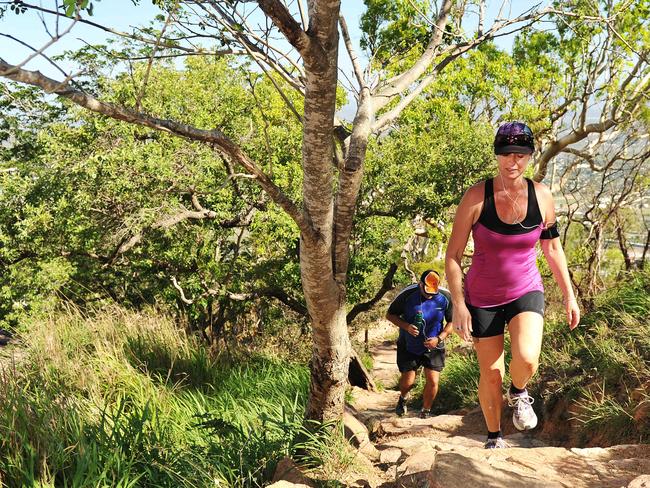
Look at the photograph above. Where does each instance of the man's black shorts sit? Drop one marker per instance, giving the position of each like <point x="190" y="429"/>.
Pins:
<point x="491" y="321"/>
<point x="407" y="361"/>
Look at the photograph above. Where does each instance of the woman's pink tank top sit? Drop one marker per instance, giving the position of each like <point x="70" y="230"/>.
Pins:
<point x="504" y="264"/>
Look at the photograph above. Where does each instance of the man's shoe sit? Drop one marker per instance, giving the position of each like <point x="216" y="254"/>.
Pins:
<point x="400" y="409"/>
<point x="497" y="443"/>
<point x="523" y="415"/>
<point x="425" y="414"/>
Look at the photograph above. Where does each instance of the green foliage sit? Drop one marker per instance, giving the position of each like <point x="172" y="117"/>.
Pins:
<point x="94" y="401"/>
<point x="459" y="382"/>
<point x="603" y="366"/>
<point x="86" y="185"/>
<point x="426" y="165"/>
<point x="395" y="30"/>
<point x="72" y="7"/>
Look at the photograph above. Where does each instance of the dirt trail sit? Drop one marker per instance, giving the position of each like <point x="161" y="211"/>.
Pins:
<point x="446" y="451"/>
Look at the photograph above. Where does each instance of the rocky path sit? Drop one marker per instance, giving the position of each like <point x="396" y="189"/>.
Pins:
<point x="446" y="451"/>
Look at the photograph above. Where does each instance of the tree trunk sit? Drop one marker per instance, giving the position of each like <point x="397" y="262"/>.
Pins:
<point x="622" y="245"/>
<point x="593" y="263"/>
<point x="645" y="251"/>
<point x="325" y="298"/>
<point x="329" y="364"/>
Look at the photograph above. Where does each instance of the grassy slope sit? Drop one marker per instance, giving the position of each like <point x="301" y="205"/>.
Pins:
<point x="125" y="399"/>
<point x="598" y="377"/>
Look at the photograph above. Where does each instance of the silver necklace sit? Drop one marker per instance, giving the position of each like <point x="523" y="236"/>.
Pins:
<point x="516" y="207"/>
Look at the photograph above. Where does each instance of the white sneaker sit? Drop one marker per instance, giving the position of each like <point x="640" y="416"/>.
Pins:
<point x="523" y="415"/>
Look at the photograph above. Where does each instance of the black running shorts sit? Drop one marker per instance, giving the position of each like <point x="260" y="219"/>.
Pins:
<point x="407" y="361"/>
<point x="491" y="321"/>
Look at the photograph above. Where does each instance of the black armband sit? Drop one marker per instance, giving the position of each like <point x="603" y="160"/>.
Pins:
<point x="550" y="232"/>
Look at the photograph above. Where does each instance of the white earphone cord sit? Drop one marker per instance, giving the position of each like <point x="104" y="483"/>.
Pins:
<point x="516" y="207"/>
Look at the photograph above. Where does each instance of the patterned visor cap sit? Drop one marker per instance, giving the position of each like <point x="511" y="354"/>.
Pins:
<point x="514" y="137"/>
<point x="430" y="279"/>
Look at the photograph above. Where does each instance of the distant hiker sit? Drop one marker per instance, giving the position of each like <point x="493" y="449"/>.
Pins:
<point x="419" y="311"/>
<point x="507" y="215"/>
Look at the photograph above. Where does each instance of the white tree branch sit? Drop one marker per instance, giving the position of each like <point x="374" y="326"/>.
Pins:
<point x="351" y="52"/>
<point x="214" y="136"/>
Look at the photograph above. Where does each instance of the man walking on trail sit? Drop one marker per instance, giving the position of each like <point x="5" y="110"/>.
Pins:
<point x="419" y="311"/>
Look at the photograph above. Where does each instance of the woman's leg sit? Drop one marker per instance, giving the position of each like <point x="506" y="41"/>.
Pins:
<point x="526" y="340"/>
<point x="489" y="351"/>
<point x="526" y="331"/>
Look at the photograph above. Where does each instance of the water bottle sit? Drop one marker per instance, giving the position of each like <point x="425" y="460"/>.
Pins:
<point x="419" y="323"/>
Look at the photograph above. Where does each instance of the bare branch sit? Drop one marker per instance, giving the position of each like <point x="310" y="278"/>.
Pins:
<point x="383" y="96"/>
<point x="282" y="296"/>
<point x="277" y="293"/>
<point x="277" y="87"/>
<point x="42" y="54"/>
<point x="587" y="156"/>
<point x="386" y="286"/>
<point x="53" y="40"/>
<point x="311" y="52"/>
<point x="399" y="83"/>
<point x="259" y="55"/>
<point x="216" y="137"/>
<point x="301" y="9"/>
<point x="165" y="223"/>
<point x="268" y="47"/>
<point x="554" y="148"/>
<point x="184" y="299"/>
<point x="165" y="43"/>
<point x="481" y="18"/>
<point x="145" y="79"/>
<point x="351" y="52"/>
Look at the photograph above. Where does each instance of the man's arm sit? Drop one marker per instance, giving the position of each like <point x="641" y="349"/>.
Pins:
<point x="396" y="309"/>
<point x="446" y="331"/>
<point x="435" y="341"/>
<point x="449" y="314"/>
<point x="403" y="324"/>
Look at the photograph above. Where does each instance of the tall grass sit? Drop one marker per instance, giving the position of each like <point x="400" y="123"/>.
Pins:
<point x="127" y="399"/>
<point x="458" y="380"/>
<point x="602" y="369"/>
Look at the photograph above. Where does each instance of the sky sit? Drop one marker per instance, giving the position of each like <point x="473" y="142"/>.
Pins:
<point x="124" y="16"/>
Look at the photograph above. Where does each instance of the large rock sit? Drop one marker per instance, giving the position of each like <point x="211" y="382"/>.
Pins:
<point x="640" y="482"/>
<point x="540" y="467"/>
<point x="287" y="484"/>
<point x="373" y="405"/>
<point x="415" y="470"/>
<point x="357" y="433"/>
<point x="441" y="424"/>
<point x="390" y="455"/>
<point x="289" y="472"/>
<point x="455" y="470"/>
<point x="521" y="439"/>
<point x="410" y="445"/>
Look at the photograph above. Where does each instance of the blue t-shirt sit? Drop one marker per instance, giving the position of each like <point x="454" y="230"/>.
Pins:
<point x="434" y="310"/>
